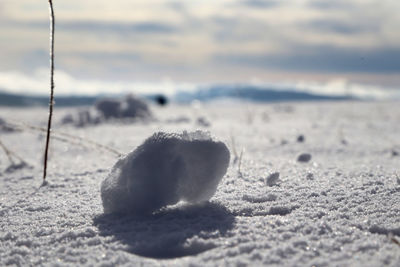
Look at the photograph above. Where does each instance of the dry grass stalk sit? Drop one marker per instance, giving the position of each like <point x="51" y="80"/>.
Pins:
<point x="393" y="239"/>
<point x="13" y="158"/>
<point x="234" y="151"/>
<point x="240" y="162"/>
<point x="51" y="102"/>
<point x="66" y="137"/>
<point x="7" y="152"/>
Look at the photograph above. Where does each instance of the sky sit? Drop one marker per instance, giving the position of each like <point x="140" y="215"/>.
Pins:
<point x="166" y="43"/>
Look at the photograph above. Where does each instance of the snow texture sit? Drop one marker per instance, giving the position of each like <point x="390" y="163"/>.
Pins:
<point x="165" y="169"/>
<point x="339" y="209"/>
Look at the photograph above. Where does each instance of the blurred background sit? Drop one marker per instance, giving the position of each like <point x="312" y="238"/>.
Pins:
<point x="339" y="48"/>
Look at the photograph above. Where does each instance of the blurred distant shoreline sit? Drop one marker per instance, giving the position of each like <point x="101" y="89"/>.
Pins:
<point x="238" y="93"/>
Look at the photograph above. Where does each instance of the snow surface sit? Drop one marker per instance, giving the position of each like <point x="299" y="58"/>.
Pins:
<point x="337" y="209"/>
<point x="165" y="169"/>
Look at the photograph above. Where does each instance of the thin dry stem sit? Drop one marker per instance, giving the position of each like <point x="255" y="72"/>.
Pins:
<point x="234" y="151"/>
<point x="13" y="157"/>
<point x="7" y="152"/>
<point x="240" y="161"/>
<point x="65" y="137"/>
<point x="393" y="239"/>
<point x="51" y="102"/>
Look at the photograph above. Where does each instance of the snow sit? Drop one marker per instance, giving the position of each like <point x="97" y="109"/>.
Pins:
<point x="339" y="209"/>
<point x="272" y="179"/>
<point x="304" y="157"/>
<point x="128" y="107"/>
<point x="165" y="169"/>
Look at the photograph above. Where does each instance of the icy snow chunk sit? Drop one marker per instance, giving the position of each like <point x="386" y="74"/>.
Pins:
<point x="305" y="157"/>
<point x="300" y="138"/>
<point x="110" y="108"/>
<point x="273" y="179"/>
<point x="164" y="170"/>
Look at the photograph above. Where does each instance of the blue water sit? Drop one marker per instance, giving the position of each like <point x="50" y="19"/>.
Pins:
<point x="211" y="93"/>
<point x="254" y="93"/>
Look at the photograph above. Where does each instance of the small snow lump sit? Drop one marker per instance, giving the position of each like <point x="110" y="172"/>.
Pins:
<point x="165" y="169"/>
<point x="305" y="157"/>
<point x="273" y="179"/>
<point x="300" y="138"/>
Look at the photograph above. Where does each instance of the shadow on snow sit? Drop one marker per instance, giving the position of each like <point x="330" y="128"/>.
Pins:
<point x="169" y="233"/>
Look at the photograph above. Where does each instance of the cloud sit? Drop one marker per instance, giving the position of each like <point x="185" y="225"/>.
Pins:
<point x="105" y="57"/>
<point x="190" y="40"/>
<point x="149" y="27"/>
<point x="322" y="59"/>
<point x="37" y="83"/>
<point x="341" y="27"/>
<point x="260" y="3"/>
<point x="337" y="4"/>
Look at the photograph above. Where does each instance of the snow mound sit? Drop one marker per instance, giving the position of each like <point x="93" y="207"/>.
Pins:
<point x="128" y="107"/>
<point x="165" y="169"/>
<point x="4" y="127"/>
<point x="82" y="118"/>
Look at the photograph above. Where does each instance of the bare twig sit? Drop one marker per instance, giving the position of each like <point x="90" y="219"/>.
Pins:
<point x="65" y="137"/>
<point x="240" y="161"/>
<point x="13" y="158"/>
<point x="11" y="154"/>
<point x="393" y="239"/>
<point x="7" y="152"/>
<point x="51" y="102"/>
<point x="234" y="151"/>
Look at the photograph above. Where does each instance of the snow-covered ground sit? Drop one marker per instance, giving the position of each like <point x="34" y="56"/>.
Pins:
<point x="340" y="208"/>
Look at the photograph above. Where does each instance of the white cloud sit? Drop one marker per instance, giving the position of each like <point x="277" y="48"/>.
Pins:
<point x="38" y="84"/>
<point x="183" y="36"/>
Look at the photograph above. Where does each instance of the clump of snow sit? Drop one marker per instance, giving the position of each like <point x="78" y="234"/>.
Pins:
<point x="4" y="127"/>
<point x="110" y="108"/>
<point x="300" y="138"/>
<point x="165" y="169"/>
<point x="305" y="157"/>
<point x="128" y="107"/>
<point x="272" y="179"/>
<point x="202" y="121"/>
<point x="82" y="118"/>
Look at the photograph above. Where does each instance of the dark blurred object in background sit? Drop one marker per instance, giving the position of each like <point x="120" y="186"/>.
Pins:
<point x="161" y="100"/>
